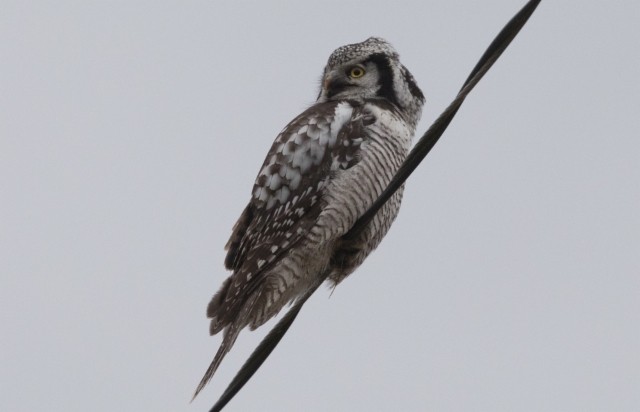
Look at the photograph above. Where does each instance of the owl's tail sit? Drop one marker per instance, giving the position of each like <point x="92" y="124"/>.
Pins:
<point x="229" y="338"/>
<point x="216" y="309"/>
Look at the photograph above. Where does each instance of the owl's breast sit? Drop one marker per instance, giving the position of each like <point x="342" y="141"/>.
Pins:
<point x="386" y="143"/>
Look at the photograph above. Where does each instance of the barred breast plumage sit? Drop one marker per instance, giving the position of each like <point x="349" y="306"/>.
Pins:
<point x="322" y="173"/>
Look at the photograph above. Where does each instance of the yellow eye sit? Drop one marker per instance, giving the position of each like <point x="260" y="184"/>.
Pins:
<point x="356" y="72"/>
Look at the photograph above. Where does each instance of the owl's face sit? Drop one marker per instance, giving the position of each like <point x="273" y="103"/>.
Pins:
<point x="370" y="70"/>
<point x="356" y="78"/>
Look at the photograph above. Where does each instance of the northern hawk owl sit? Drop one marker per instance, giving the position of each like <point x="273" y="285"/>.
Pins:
<point x="322" y="173"/>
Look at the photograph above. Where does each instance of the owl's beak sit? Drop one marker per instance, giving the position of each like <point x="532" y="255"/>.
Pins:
<point x="327" y="81"/>
<point x="334" y="86"/>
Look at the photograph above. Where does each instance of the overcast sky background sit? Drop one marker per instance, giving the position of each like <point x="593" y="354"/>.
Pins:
<point x="130" y="137"/>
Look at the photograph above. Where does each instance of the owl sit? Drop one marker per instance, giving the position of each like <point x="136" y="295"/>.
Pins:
<point x="323" y="172"/>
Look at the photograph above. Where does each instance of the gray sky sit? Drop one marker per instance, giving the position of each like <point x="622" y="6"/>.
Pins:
<point x="130" y="136"/>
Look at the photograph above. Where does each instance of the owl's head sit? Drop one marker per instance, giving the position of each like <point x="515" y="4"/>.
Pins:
<point x="370" y="70"/>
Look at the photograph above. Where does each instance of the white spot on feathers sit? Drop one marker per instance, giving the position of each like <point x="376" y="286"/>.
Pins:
<point x="275" y="182"/>
<point x="284" y="194"/>
<point x="264" y="195"/>
<point x="314" y="132"/>
<point x="343" y="114"/>
<point x="295" y="182"/>
<point x="271" y="202"/>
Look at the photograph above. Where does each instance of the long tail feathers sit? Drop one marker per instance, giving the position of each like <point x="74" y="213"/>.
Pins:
<point x="224" y="348"/>
<point x="229" y="338"/>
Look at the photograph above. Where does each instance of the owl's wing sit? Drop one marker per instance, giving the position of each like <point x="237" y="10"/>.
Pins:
<point x="287" y="197"/>
<point x="286" y="202"/>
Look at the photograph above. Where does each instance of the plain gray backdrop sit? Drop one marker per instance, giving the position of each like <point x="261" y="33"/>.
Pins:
<point x="130" y="136"/>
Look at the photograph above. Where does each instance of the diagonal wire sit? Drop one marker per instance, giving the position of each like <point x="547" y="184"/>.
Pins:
<point x="421" y="149"/>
